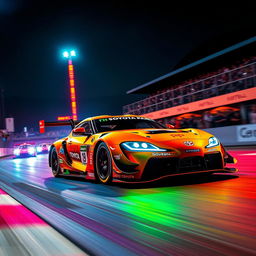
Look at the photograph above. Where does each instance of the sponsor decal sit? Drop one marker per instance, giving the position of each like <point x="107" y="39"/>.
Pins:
<point x="90" y="174"/>
<point x="192" y="150"/>
<point x="83" y="154"/>
<point x="125" y="176"/>
<point x="188" y="143"/>
<point x="60" y="161"/>
<point x="74" y="155"/>
<point x="112" y="148"/>
<point x="163" y="154"/>
<point x="121" y="118"/>
<point x="212" y="149"/>
<point x="91" y="157"/>
<point x="177" y="135"/>
<point x="117" y="157"/>
<point x="246" y="132"/>
<point x="61" y="151"/>
<point x="66" y="171"/>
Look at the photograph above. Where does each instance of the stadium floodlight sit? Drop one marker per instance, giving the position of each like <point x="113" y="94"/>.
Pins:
<point x="65" y="54"/>
<point x="72" y="53"/>
<point x="68" y="55"/>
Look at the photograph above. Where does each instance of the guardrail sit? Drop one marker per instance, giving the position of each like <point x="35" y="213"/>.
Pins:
<point x="236" y="135"/>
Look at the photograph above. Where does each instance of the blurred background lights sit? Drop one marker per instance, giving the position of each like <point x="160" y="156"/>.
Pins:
<point x="144" y="145"/>
<point x="65" y="54"/>
<point x="136" y="145"/>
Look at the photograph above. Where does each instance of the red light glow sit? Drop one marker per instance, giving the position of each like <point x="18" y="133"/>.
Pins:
<point x="41" y="126"/>
<point x="72" y="90"/>
<point x="62" y="118"/>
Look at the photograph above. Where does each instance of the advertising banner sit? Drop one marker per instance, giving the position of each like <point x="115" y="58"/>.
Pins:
<point x="227" y="99"/>
<point x="246" y="133"/>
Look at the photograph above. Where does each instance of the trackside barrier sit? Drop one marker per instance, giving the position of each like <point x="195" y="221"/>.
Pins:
<point x="236" y="135"/>
<point x="6" y="151"/>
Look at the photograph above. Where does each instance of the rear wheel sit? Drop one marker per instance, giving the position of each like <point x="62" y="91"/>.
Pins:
<point x="55" y="163"/>
<point x="103" y="164"/>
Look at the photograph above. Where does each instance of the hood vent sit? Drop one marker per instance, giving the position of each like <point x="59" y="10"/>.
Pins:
<point x="167" y="131"/>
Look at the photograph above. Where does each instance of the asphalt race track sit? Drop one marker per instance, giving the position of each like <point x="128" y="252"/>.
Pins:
<point x="190" y="215"/>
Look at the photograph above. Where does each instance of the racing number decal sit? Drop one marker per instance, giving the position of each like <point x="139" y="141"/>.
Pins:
<point x="83" y="154"/>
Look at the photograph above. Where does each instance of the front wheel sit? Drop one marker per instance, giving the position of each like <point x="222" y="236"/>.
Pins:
<point x="103" y="164"/>
<point x="55" y="163"/>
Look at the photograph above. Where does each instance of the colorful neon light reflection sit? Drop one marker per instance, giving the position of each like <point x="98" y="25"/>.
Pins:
<point x="72" y="89"/>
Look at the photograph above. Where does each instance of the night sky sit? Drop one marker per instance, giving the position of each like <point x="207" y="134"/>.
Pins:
<point x="120" y="45"/>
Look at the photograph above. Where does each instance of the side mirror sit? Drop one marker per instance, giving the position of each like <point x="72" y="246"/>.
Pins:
<point x="170" y="126"/>
<point x="81" y="131"/>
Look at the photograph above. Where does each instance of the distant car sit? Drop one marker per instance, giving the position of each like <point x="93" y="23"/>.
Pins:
<point x="43" y="148"/>
<point x="129" y="148"/>
<point x="25" y="150"/>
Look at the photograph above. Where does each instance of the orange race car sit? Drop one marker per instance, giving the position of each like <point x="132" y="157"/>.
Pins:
<point x="131" y="148"/>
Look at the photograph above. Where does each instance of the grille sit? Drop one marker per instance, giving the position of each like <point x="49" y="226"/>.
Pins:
<point x="157" y="167"/>
<point x="195" y="163"/>
<point x="213" y="161"/>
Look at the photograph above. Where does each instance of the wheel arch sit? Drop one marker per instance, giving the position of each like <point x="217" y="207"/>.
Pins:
<point x="95" y="150"/>
<point x="49" y="156"/>
<point x="94" y="156"/>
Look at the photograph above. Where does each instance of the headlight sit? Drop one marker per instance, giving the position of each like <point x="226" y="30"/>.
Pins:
<point x="39" y="149"/>
<point x="212" y="142"/>
<point x="16" y="151"/>
<point x="140" y="146"/>
<point x="31" y="151"/>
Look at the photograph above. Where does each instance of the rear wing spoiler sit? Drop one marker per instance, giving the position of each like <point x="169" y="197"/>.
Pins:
<point x="43" y="124"/>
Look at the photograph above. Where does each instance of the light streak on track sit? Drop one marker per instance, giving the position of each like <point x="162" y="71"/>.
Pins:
<point x="195" y="215"/>
<point x="24" y="233"/>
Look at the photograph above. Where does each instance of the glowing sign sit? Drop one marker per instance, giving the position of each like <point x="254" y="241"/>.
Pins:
<point x="41" y="126"/>
<point x="72" y="89"/>
<point x="73" y="53"/>
<point x="65" y="54"/>
<point x="230" y="98"/>
<point x="62" y="118"/>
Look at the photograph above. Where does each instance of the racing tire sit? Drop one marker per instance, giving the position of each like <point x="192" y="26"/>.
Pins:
<point x="55" y="163"/>
<point x="103" y="164"/>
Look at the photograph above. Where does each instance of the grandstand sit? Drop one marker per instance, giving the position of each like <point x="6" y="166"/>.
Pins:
<point x="215" y="91"/>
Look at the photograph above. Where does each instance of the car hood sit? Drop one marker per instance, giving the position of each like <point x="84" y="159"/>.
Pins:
<point x="164" y="134"/>
<point x="158" y="135"/>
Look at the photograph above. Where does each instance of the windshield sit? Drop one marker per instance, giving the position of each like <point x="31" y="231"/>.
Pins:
<point x="125" y="123"/>
<point x="23" y="146"/>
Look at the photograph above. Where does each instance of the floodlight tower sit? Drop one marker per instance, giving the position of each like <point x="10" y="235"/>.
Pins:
<point x="69" y="55"/>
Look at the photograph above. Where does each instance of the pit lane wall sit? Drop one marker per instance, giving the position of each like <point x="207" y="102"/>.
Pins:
<point x="237" y="135"/>
<point x="6" y="148"/>
<point x="6" y="152"/>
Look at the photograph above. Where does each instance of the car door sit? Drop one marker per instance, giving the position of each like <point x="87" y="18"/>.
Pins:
<point x="76" y="147"/>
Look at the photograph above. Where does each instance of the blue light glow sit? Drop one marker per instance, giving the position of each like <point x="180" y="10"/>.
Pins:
<point x="39" y="149"/>
<point x="31" y="150"/>
<point x="141" y="146"/>
<point x="212" y="142"/>
<point x="65" y="54"/>
<point x="16" y="151"/>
